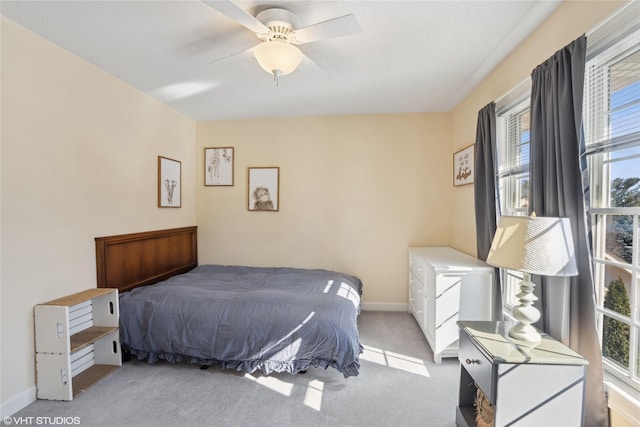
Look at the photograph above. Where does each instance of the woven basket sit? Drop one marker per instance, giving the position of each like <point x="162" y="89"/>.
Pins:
<point x="484" y="410"/>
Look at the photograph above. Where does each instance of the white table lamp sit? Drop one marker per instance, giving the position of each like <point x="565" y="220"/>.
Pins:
<point x="532" y="245"/>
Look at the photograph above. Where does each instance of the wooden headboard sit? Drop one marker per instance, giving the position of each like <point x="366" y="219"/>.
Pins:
<point x="127" y="261"/>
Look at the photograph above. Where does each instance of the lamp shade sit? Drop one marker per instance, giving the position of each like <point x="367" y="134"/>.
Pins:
<point x="277" y="57"/>
<point x="535" y="245"/>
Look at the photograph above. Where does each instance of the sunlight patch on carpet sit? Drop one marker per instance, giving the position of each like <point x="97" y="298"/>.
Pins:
<point x="395" y="360"/>
<point x="313" y="396"/>
<point x="272" y="383"/>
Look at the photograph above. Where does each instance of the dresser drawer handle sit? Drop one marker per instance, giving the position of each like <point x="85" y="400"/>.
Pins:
<point x="472" y="361"/>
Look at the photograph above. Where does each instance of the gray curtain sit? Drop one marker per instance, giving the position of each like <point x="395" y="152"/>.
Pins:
<point x="485" y="194"/>
<point x="556" y="189"/>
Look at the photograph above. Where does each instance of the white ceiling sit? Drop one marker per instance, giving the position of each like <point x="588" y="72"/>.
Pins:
<point x="412" y="56"/>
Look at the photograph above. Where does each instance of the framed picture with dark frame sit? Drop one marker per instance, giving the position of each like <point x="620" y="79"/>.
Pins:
<point x="169" y="183"/>
<point x="218" y="166"/>
<point x="263" y="189"/>
<point x="463" y="166"/>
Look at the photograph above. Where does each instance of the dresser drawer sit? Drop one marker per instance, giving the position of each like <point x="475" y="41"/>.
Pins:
<point x="416" y="299"/>
<point x="417" y="267"/>
<point x="477" y="365"/>
<point x="416" y="285"/>
<point x="446" y="334"/>
<point x="447" y="305"/>
<point x="444" y="282"/>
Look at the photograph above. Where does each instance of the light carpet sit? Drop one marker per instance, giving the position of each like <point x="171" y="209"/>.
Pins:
<point x="398" y="385"/>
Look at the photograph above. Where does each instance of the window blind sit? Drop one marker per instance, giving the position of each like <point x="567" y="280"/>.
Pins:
<point x="612" y="82"/>
<point x="513" y="139"/>
<point x="613" y="29"/>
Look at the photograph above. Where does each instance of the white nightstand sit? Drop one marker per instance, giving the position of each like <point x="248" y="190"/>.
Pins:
<point x="527" y="386"/>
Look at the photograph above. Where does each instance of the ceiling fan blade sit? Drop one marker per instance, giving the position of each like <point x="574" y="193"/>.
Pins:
<point x="309" y="65"/>
<point x="244" y="52"/>
<point x="236" y="13"/>
<point x="337" y="27"/>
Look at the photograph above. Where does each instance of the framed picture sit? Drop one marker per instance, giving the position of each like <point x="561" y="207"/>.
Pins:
<point x="463" y="165"/>
<point x="169" y="183"/>
<point x="218" y="166"/>
<point x="264" y="189"/>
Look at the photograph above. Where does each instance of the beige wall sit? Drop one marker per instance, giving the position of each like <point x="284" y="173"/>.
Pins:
<point x="79" y="160"/>
<point x="355" y="192"/>
<point x="568" y="22"/>
<point x="79" y="154"/>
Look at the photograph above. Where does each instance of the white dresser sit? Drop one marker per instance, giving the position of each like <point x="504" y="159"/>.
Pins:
<point x="446" y="285"/>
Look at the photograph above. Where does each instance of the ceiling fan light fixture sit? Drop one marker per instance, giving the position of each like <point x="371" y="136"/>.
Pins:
<point x="278" y="57"/>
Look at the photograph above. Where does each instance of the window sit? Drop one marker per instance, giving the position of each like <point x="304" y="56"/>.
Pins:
<point x="611" y="115"/>
<point x="612" y="136"/>
<point x="513" y="174"/>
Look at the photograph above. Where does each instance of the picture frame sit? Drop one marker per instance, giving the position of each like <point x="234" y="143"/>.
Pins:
<point x="218" y="166"/>
<point x="169" y="183"/>
<point x="463" y="166"/>
<point x="263" y="189"/>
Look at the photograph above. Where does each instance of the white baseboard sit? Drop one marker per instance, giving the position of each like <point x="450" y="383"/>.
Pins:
<point x="385" y="306"/>
<point x="22" y="400"/>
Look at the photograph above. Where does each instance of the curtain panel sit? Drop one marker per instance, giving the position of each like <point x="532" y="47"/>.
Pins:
<point x="486" y="196"/>
<point x="556" y="189"/>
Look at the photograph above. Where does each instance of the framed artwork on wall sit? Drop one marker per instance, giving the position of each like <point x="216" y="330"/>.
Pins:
<point x="263" y="189"/>
<point x="169" y="183"/>
<point x="218" y="166"/>
<point x="463" y="166"/>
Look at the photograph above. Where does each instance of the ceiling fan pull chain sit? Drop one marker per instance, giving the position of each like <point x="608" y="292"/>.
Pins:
<point x="276" y="76"/>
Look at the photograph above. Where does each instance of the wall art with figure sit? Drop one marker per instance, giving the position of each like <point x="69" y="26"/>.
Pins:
<point x="264" y="189"/>
<point x="169" y="183"/>
<point x="218" y="166"/>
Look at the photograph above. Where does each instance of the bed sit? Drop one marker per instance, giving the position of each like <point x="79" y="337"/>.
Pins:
<point x="238" y="317"/>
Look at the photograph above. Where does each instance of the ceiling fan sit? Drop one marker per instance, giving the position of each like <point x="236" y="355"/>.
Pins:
<point x="278" y="31"/>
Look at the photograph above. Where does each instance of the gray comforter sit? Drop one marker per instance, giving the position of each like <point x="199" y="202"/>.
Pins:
<point x="247" y="318"/>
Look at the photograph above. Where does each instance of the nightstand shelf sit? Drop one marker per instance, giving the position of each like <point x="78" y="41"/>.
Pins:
<point x="91" y="376"/>
<point x="84" y="338"/>
<point x="526" y="385"/>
